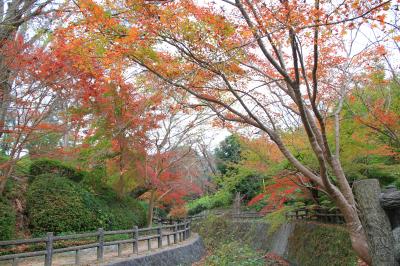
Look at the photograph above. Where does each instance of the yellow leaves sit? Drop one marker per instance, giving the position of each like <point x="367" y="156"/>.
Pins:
<point x="355" y="4"/>
<point x="133" y="34"/>
<point x="234" y="68"/>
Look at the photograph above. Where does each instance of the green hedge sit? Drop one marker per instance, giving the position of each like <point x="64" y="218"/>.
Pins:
<point x="315" y="244"/>
<point x="57" y="204"/>
<point x="7" y="220"/>
<point x="54" y="167"/>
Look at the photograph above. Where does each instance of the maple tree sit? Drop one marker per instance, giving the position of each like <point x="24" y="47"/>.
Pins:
<point x="39" y="84"/>
<point x="279" y="67"/>
<point x="165" y="176"/>
<point x="16" y="18"/>
<point x="279" y="191"/>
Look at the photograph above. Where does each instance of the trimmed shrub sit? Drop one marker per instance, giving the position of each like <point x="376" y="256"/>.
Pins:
<point x="126" y="213"/>
<point x="7" y="220"/>
<point x="56" y="204"/>
<point x="54" y="167"/>
<point x="122" y="213"/>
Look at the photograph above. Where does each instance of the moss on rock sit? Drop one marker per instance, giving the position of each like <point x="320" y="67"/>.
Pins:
<point x="314" y="244"/>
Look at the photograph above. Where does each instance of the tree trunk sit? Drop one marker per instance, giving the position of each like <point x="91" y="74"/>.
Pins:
<point x="151" y="208"/>
<point x="355" y="229"/>
<point x="375" y="222"/>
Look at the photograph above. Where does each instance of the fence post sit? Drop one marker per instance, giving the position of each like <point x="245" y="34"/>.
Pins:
<point x="175" y="234"/>
<point x="77" y="257"/>
<point x="187" y="230"/>
<point x="100" y="248"/>
<point x="159" y="232"/>
<point x="183" y="231"/>
<point x="49" y="249"/>
<point x="189" y="223"/>
<point x="15" y="262"/>
<point x="119" y="249"/>
<point x="135" y="236"/>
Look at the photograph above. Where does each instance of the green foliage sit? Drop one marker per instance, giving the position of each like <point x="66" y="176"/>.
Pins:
<point x="7" y="220"/>
<point x="235" y="253"/>
<point x="227" y="242"/>
<point x="248" y="186"/>
<point x="315" y="245"/>
<point x="228" y="152"/>
<point x="43" y="143"/>
<point x="54" y="167"/>
<point x="214" y="231"/>
<point x="125" y="213"/>
<point x="221" y="198"/>
<point x="277" y="218"/>
<point x="59" y="205"/>
<point x="56" y="204"/>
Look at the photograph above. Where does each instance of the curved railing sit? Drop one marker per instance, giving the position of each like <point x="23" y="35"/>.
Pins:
<point x="178" y="232"/>
<point x="318" y="214"/>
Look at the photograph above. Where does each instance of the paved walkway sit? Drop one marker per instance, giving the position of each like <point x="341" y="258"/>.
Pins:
<point x="88" y="256"/>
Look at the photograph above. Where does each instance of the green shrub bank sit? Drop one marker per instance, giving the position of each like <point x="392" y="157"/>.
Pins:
<point x="54" y="167"/>
<point x="59" y="205"/>
<point x="56" y="204"/>
<point x="315" y="245"/>
<point x="7" y="220"/>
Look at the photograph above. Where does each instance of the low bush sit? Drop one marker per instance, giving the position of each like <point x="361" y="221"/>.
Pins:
<point x="126" y="213"/>
<point x="7" y="220"/>
<point x="56" y="204"/>
<point x="47" y="166"/>
<point x="222" y="198"/>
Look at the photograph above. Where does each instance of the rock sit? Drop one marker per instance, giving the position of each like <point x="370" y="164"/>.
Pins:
<point x="390" y="199"/>
<point x="396" y="236"/>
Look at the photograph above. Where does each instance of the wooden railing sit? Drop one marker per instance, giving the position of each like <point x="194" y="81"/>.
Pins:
<point x="229" y="214"/>
<point x="179" y="231"/>
<point x="317" y="214"/>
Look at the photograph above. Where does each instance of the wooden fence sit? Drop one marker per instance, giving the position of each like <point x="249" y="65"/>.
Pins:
<point x="317" y="214"/>
<point x="229" y="214"/>
<point x="179" y="231"/>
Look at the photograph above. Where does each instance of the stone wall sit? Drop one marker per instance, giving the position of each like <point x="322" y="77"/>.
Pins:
<point x="181" y="254"/>
<point x="301" y="243"/>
